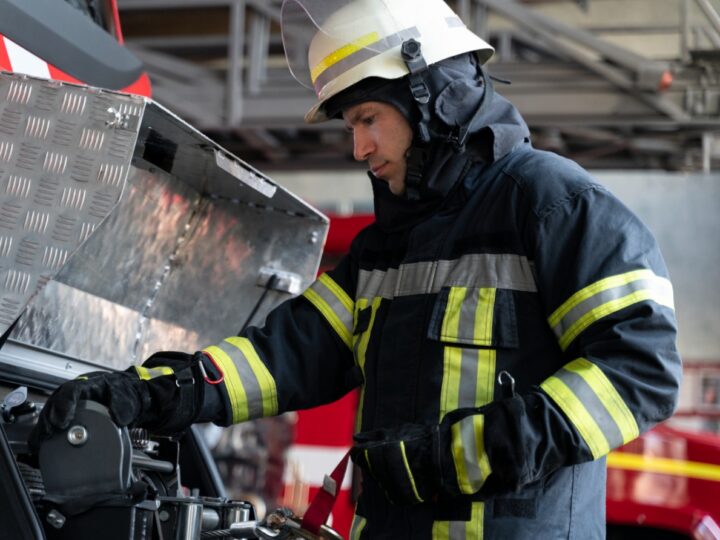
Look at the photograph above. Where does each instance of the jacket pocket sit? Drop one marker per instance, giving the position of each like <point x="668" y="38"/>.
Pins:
<point x="474" y="316"/>
<point x="472" y="324"/>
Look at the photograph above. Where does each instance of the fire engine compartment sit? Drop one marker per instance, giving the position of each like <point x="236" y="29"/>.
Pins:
<point x="124" y="231"/>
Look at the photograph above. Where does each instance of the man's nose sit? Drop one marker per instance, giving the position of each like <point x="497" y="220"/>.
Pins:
<point x="363" y="145"/>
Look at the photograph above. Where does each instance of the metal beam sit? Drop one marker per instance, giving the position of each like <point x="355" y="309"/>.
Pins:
<point x="234" y="88"/>
<point x="648" y="73"/>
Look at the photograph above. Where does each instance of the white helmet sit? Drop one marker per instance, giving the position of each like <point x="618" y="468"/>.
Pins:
<point x="331" y="45"/>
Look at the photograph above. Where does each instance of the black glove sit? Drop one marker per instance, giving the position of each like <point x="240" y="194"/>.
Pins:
<point x="400" y="461"/>
<point x="167" y="395"/>
<point x="477" y="452"/>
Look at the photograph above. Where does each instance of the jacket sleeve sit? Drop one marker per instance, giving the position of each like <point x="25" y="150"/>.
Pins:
<point x="300" y="358"/>
<point x="609" y="302"/>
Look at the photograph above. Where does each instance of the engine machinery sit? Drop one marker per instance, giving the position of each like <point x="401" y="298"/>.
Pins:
<point x="124" y="231"/>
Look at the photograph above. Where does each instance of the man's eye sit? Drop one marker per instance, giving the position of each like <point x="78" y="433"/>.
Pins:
<point x="369" y="120"/>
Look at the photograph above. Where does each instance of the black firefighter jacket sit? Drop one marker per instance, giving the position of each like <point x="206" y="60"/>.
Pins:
<point x="526" y="266"/>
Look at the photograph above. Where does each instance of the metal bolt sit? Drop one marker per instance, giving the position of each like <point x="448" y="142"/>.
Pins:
<point x="56" y="519"/>
<point x="77" y="435"/>
<point x="116" y="118"/>
<point x="314" y="237"/>
<point x="164" y="515"/>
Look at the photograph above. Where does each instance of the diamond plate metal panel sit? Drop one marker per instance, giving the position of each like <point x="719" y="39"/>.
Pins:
<point x="56" y="149"/>
<point x="148" y="235"/>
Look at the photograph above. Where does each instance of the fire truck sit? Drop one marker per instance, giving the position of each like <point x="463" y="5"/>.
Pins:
<point x="114" y="215"/>
<point x="57" y="35"/>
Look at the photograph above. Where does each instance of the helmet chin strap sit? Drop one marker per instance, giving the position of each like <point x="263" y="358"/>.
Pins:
<point x="415" y="157"/>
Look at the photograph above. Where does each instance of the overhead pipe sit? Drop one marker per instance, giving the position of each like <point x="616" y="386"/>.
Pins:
<point x="649" y="75"/>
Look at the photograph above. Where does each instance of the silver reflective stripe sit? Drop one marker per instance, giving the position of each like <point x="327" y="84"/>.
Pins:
<point x="468" y="309"/>
<point x="467" y="393"/>
<point x="656" y="284"/>
<point x="457" y="530"/>
<point x="335" y="305"/>
<point x="470" y="453"/>
<point x="362" y="55"/>
<point x="414" y="278"/>
<point x="504" y="271"/>
<point x="253" y="392"/>
<point x="378" y="283"/>
<point x="594" y="406"/>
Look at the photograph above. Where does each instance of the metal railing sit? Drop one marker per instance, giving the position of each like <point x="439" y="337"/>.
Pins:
<point x="247" y="89"/>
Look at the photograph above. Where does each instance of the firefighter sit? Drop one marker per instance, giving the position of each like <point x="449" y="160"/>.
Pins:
<point x="508" y="320"/>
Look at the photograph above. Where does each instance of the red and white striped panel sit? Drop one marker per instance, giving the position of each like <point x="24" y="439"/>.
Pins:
<point x="15" y="58"/>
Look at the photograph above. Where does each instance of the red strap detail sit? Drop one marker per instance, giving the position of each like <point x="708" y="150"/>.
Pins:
<point x="321" y="506"/>
<point x="217" y="366"/>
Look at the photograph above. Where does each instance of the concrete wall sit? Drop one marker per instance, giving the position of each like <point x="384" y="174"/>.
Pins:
<point x="683" y="211"/>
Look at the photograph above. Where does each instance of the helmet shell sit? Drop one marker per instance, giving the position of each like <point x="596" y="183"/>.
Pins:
<point x="357" y="39"/>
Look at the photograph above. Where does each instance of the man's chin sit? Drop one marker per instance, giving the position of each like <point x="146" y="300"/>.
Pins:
<point x="397" y="188"/>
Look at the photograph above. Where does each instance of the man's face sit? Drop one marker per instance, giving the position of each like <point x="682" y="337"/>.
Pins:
<point x="381" y="137"/>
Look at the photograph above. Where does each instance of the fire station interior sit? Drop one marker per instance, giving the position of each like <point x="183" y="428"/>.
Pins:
<point x="629" y="89"/>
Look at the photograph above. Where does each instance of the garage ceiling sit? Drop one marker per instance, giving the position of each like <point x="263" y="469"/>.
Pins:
<point x="610" y="83"/>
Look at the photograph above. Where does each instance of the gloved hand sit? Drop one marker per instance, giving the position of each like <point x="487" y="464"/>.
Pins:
<point x="401" y="461"/>
<point x="166" y="395"/>
<point x="415" y="462"/>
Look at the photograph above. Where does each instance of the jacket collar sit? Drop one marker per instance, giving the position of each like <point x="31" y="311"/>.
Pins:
<point x="495" y="134"/>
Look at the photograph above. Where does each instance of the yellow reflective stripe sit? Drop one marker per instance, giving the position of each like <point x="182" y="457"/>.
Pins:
<point x="409" y="472"/>
<point x="456" y="377"/>
<point x="485" y="392"/>
<point x="482" y="457"/>
<point x="233" y="384"/>
<point x="441" y="530"/>
<point x="581" y="418"/>
<point x="609" y="397"/>
<point x="474" y="382"/>
<point x="364" y="339"/>
<point x="330" y="315"/>
<point x="342" y="53"/>
<point x="451" y="320"/>
<point x="150" y="373"/>
<point x="675" y="467"/>
<point x="462" y="530"/>
<point x="266" y="381"/>
<point x="367" y="460"/>
<point x="469" y="452"/>
<point x="449" y="396"/>
<point x="358" y="416"/>
<point x="341" y="322"/>
<point x="476" y="527"/>
<point x="605" y="297"/>
<point x="356" y="529"/>
<point x="361" y="351"/>
<point x="599" y="286"/>
<point x="338" y="291"/>
<point x="468" y="316"/>
<point x="452" y="361"/>
<point x="605" y="310"/>
<point x="484" y="317"/>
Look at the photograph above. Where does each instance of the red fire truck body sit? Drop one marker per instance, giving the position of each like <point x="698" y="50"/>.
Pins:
<point x="15" y="58"/>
